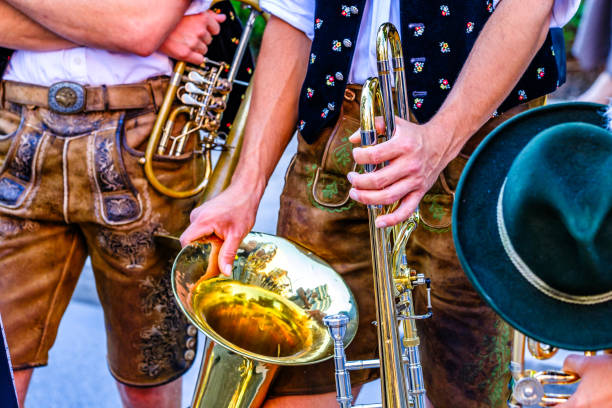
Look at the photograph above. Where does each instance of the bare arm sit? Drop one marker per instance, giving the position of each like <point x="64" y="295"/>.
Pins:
<point x="281" y="69"/>
<point x="20" y="32"/>
<point x="418" y="153"/>
<point x="501" y="52"/>
<point x="135" y="26"/>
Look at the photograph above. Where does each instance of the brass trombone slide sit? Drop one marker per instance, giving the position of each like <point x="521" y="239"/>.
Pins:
<point x="402" y="384"/>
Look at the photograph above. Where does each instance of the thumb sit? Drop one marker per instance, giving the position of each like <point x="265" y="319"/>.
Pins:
<point x="355" y="138"/>
<point x="228" y="253"/>
<point x="575" y="363"/>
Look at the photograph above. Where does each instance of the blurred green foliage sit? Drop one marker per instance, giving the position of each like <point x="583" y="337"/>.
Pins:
<point x="243" y="13"/>
<point x="569" y="31"/>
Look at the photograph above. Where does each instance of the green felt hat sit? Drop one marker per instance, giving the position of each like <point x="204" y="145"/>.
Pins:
<point x="532" y="224"/>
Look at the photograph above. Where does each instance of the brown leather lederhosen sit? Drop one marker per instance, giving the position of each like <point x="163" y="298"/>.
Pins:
<point x="465" y="347"/>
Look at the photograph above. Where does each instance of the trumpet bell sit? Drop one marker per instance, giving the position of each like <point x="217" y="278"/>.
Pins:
<point x="272" y="308"/>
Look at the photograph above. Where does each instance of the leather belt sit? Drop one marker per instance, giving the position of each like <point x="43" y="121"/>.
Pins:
<point x="70" y="97"/>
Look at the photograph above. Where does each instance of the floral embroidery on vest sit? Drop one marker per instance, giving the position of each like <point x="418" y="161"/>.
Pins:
<point x="419" y="30"/>
<point x="469" y="27"/>
<point x="444" y="84"/>
<point x="444" y="10"/>
<point x="444" y="47"/>
<point x="418" y="67"/>
<point x="541" y="73"/>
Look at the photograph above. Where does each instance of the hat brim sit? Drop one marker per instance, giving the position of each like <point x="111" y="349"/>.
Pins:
<point x="480" y="251"/>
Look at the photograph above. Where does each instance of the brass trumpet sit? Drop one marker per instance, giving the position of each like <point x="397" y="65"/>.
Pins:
<point x="402" y="382"/>
<point x="202" y="93"/>
<point x="528" y="385"/>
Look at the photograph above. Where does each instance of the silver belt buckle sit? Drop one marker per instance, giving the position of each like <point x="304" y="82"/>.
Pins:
<point x="66" y="97"/>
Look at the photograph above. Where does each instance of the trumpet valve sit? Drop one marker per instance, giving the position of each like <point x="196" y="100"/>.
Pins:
<point x="217" y="105"/>
<point x="210" y="125"/>
<point x="223" y="86"/>
<point x="528" y="391"/>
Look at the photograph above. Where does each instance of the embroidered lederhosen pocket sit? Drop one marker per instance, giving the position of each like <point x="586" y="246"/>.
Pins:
<point x="20" y="151"/>
<point x="330" y="187"/>
<point x="118" y="202"/>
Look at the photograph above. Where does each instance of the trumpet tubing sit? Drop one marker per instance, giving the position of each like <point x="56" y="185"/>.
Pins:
<point x="528" y="385"/>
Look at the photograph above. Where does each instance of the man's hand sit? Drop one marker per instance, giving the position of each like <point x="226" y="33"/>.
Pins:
<point x="272" y="115"/>
<point x="190" y="38"/>
<point x="595" y="387"/>
<point x="230" y="216"/>
<point x="415" y="155"/>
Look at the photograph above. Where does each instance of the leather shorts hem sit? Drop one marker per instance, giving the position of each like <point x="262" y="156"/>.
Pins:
<point x="150" y="384"/>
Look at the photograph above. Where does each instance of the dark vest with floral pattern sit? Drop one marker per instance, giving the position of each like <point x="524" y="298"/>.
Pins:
<point x="437" y="36"/>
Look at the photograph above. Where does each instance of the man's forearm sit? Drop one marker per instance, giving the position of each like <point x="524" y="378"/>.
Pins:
<point x="135" y="26"/>
<point x="497" y="62"/>
<point x="20" y="32"/>
<point x="281" y="69"/>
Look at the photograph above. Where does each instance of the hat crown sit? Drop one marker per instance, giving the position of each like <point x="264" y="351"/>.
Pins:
<point x="557" y="208"/>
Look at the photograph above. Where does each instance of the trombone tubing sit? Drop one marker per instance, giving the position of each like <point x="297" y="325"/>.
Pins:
<point x="394" y="392"/>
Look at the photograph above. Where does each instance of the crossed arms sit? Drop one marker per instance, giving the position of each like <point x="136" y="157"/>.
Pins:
<point x="138" y="27"/>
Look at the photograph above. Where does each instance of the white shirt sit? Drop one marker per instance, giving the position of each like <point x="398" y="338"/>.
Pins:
<point x="300" y="14"/>
<point x="91" y="66"/>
